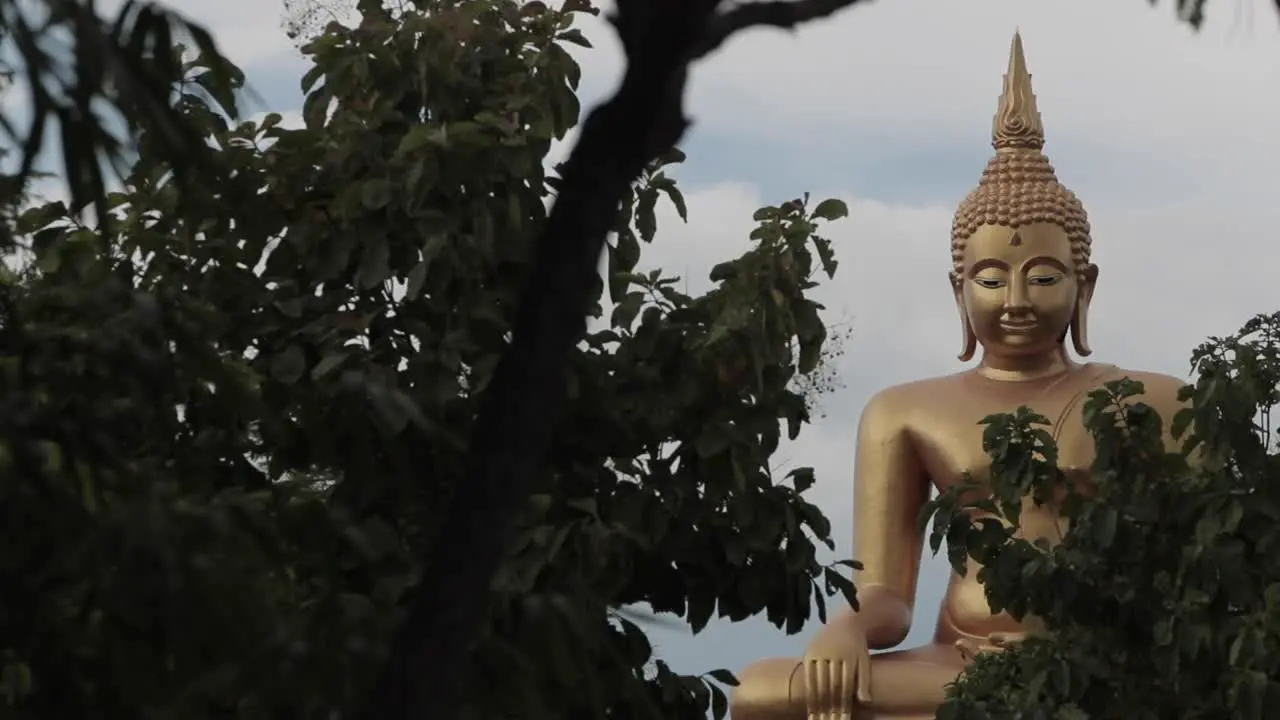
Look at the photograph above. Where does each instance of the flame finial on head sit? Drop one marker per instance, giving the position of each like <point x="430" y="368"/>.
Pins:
<point x="1017" y="122"/>
<point x="1018" y="186"/>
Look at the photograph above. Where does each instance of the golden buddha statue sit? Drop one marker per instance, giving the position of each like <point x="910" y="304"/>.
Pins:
<point x="1023" y="282"/>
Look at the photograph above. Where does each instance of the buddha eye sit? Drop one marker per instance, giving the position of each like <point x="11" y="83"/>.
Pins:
<point x="1045" y="279"/>
<point x="989" y="283"/>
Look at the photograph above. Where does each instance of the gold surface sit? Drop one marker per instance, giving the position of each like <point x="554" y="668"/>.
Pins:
<point x="1023" y="282"/>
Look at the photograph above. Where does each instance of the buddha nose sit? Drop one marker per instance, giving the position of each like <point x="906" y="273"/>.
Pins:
<point x="1015" y="300"/>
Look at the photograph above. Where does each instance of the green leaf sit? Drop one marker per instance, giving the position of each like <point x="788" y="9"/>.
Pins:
<point x="574" y="36"/>
<point x="328" y="364"/>
<point x="1070" y="712"/>
<point x="585" y="505"/>
<point x="376" y="193"/>
<point x="713" y="439"/>
<point x="831" y="209"/>
<point x="291" y="308"/>
<point x="826" y="255"/>
<point x="1181" y="422"/>
<point x="413" y="284"/>
<point x="843" y="585"/>
<point x="619" y="280"/>
<point x="724" y="271"/>
<point x="820" y="603"/>
<point x="702" y="603"/>
<point x="627" y="251"/>
<point x="637" y="643"/>
<point x="624" y="314"/>
<point x="766" y="213"/>
<point x="677" y="199"/>
<point x="719" y="704"/>
<point x="374" y="263"/>
<point x="724" y="677"/>
<point x="419" y="137"/>
<point x="315" y="108"/>
<point x="37" y="218"/>
<point x="49" y="260"/>
<point x="311" y="77"/>
<point x="1104" y="529"/>
<point x="810" y="356"/>
<point x="808" y="322"/>
<point x="673" y="156"/>
<point x="289" y="365"/>
<point x="802" y="478"/>
<point x="646" y="217"/>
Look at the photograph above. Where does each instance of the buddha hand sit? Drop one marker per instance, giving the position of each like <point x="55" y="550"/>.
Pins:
<point x="971" y="648"/>
<point x="837" y="668"/>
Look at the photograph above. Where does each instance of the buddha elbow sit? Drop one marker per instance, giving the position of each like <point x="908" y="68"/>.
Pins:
<point x="888" y="636"/>
<point x="885" y="616"/>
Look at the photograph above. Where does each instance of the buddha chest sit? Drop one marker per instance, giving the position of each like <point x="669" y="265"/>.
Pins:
<point x="948" y="440"/>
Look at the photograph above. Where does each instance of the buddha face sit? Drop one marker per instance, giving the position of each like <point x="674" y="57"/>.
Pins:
<point x="1019" y="290"/>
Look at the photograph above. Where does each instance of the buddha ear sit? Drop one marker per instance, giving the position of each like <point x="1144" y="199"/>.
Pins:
<point x="1080" y="321"/>
<point x="968" y="337"/>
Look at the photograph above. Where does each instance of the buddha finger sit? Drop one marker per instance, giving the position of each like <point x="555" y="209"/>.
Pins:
<point x="836" y="689"/>
<point x="844" y="688"/>
<point x="820" y="701"/>
<point x="848" y="675"/>
<point x="835" y="686"/>
<point x="862" y="676"/>
<point x="812" y="698"/>
<point x="1005" y="639"/>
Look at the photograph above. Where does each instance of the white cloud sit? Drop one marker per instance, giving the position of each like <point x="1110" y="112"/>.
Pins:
<point x="1121" y="77"/>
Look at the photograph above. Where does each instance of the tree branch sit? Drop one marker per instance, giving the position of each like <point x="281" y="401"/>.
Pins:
<point x="783" y="14"/>
<point x="429" y="656"/>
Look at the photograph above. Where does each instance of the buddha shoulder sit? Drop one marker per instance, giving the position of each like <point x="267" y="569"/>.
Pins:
<point x="1158" y="390"/>
<point x="894" y="408"/>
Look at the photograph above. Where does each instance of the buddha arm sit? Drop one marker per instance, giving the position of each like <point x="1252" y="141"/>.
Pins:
<point x="890" y="488"/>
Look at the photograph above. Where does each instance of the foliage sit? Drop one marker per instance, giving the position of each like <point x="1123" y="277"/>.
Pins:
<point x="820" y="384"/>
<point x="75" y="66"/>
<point x="1161" y="600"/>
<point x="233" y="413"/>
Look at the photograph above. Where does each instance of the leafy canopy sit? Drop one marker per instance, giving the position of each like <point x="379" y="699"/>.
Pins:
<point x="233" y="413"/>
<point x="1160" y="602"/>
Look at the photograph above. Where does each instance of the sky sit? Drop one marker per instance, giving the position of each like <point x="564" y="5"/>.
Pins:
<point x="1167" y="136"/>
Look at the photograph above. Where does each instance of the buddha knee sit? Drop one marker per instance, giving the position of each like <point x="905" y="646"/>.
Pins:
<point x="769" y="690"/>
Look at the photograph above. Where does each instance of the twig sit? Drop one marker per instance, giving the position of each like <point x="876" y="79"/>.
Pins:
<point x="771" y="13"/>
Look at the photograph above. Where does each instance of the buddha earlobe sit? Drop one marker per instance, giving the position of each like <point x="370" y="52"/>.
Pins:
<point x="1080" y="329"/>
<point x="969" y="338"/>
<point x="1080" y="321"/>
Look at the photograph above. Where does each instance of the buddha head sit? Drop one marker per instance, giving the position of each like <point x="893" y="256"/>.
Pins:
<point x="1020" y="241"/>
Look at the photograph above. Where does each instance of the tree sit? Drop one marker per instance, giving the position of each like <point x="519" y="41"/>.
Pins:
<point x="1161" y="600"/>
<point x="235" y="415"/>
<point x="513" y="432"/>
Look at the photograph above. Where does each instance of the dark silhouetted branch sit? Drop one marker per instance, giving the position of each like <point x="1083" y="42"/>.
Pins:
<point x="770" y="13"/>
<point x="429" y="655"/>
